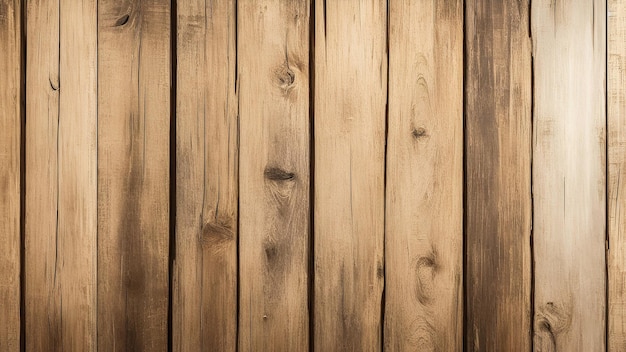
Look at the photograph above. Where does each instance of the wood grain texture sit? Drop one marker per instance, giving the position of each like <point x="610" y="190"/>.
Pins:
<point x="350" y="99"/>
<point x="273" y="76"/>
<point x="10" y="131"/>
<point x="616" y="115"/>
<point x="61" y="191"/>
<point x="424" y="189"/>
<point x="498" y="167"/>
<point x="133" y="174"/>
<point x="205" y="269"/>
<point x="569" y="174"/>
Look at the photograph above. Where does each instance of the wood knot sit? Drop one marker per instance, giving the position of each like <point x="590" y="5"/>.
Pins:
<point x="216" y="235"/>
<point x="53" y="85"/>
<point x="426" y="267"/>
<point x="121" y="21"/>
<point x="380" y="270"/>
<point x="278" y="174"/>
<point x="552" y="320"/>
<point x="284" y="77"/>
<point x="419" y="133"/>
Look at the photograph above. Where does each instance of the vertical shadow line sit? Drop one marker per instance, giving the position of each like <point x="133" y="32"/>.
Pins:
<point x="311" y="269"/>
<point x="172" y="195"/>
<point x="22" y="174"/>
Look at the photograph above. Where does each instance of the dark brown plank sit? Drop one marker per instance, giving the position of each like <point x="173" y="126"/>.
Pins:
<point x="498" y="160"/>
<point x="133" y="174"/>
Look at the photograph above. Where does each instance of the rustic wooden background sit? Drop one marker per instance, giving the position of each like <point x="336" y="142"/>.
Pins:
<point x="323" y="175"/>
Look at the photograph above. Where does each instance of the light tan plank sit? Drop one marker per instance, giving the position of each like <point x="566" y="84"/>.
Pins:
<point x="424" y="194"/>
<point x="133" y="174"/>
<point x="569" y="174"/>
<point x="273" y="86"/>
<point x="616" y="91"/>
<point x="205" y="270"/>
<point x="61" y="209"/>
<point x="498" y="168"/>
<point x="350" y="98"/>
<point x="10" y="130"/>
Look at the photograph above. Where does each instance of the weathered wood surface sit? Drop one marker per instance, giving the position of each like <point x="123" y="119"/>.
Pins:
<point x="569" y="55"/>
<point x="273" y="87"/>
<point x="10" y="141"/>
<point x="498" y="167"/>
<point x="424" y="194"/>
<point x="133" y="174"/>
<point x="205" y="269"/>
<point x="349" y="121"/>
<point x="616" y="115"/>
<point x="61" y="191"/>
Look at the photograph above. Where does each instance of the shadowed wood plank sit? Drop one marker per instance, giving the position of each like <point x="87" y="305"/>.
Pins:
<point x="424" y="195"/>
<point x="133" y="174"/>
<point x="569" y="44"/>
<point x="350" y="99"/>
<point x="273" y="87"/>
<point x="61" y="191"/>
<point x="616" y="87"/>
<point x="10" y="131"/>
<point x="205" y="269"/>
<point x="498" y="166"/>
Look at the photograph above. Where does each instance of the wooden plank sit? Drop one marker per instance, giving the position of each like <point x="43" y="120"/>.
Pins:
<point x="424" y="194"/>
<point x="205" y="269"/>
<point x="616" y="104"/>
<point x="10" y="132"/>
<point x="498" y="166"/>
<point x="273" y="84"/>
<point x="61" y="191"/>
<point x="350" y="99"/>
<point x="569" y="174"/>
<point x="133" y="174"/>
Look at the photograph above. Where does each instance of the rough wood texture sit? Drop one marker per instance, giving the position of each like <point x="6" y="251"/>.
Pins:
<point x="133" y="174"/>
<point x="205" y="270"/>
<point x="569" y="174"/>
<point x="10" y="130"/>
<point x="350" y="99"/>
<point x="424" y="197"/>
<point x="498" y="166"/>
<point x="273" y="84"/>
<point x="61" y="192"/>
<point x="616" y="87"/>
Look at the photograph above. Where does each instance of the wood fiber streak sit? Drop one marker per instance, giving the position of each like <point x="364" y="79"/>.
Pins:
<point x="424" y="191"/>
<point x="205" y="269"/>
<point x="616" y="114"/>
<point x="61" y="191"/>
<point x="133" y="174"/>
<point x="273" y="88"/>
<point x="349" y="121"/>
<point x="498" y="167"/>
<point x="569" y="42"/>
<point x="10" y="131"/>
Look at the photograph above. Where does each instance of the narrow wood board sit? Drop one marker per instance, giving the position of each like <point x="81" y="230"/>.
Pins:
<point x="133" y="174"/>
<point x="498" y="169"/>
<point x="569" y="174"/>
<point x="205" y="269"/>
<point x="616" y="115"/>
<point x="349" y="119"/>
<point x="61" y="191"/>
<point x="10" y="132"/>
<point x="424" y="189"/>
<point x="273" y="86"/>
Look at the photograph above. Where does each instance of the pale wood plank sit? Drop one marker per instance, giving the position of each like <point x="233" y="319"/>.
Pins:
<point x="569" y="174"/>
<point x="350" y="99"/>
<point x="273" y="86"/>
<point x="498" y="169"/>
<point x="424" y="194"/>
<point x="10" y="131"/>
<point x="61" y="192"/>
<point x="133" y="174"/>
<point x="205" y="269"/>
<point x="616" y="114"/>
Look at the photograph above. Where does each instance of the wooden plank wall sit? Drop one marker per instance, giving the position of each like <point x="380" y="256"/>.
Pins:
<point x="312" y="175"/>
